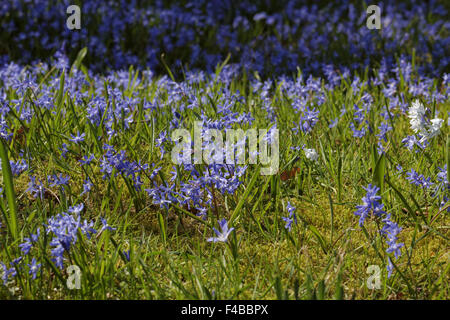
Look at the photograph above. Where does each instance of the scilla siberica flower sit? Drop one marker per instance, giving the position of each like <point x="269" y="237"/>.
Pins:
<point x="87" y="185"/>
<point x="390" y="267"/>
<point x="78" y="137"/>
<point x="411" y="141"/>
<point x="35" y="189"/>
<point x="391" y="230"/>
<point x="221" y="236"/>
<point x="308" y="120"/>
<point x="18" y="167"/>
<point x="64" y="228"/>
<point x="371" y="203"/>
<point x="292" y="217"/>
<point x="418" y="179"/>
<point x="34" y="268"/>
<point x="7" y="273"/>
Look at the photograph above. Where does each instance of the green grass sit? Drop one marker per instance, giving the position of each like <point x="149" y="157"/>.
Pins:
<point x="325" y="256"/>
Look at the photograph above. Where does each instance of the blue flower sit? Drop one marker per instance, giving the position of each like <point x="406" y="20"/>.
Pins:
<point x="64" y="228"/>
<point x="390" y="229"/>
<point x="35" y="237"/>
<point x="202" y="212"/>
<point x="333" y="123"/>
<point x="18" y="167"/>
<point x="7" y="273"/>
<point x="86" y="159"/>
<point x="106" y="226"/>
<point x="64" y="150"/>
<point x="289" y="222"/>
<point x="26" y="247"/>
<point x="411" y="141"/>
<point x="443" y="178"/>
<point x="223" y="235"/>
<point x="76" y="209"/>
<point x="418" y="179"/>
<point x="309" y="120"/>
<point x="357" y="133"/>
<point x="127" y="255"/>
<point x="384" y="128"/>
<point x="77" y="138"/>
<point x="35" y="189"/>
<point x="34" y="268"/>
<point x="16" y="261"/>
<point x="370" y="204"/>
<point x="291" y="218"/>
<point x="87" y="185"/>
<point x="390" y="267"/>
<point x="58" y="180"/>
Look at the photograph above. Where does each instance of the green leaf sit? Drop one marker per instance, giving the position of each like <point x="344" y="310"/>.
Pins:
<point x="11" y="216"/>
<point x="60" y="95"/>
<point x="245" y="196"/>
<point x="278" y="288"/>
<point x="167" y="68"/>
<point x="339" y="291"/>
<point x="77" y="63"/>
<point x="319" y="237"/>
<point x="378" y="173"/>
<point x="321" y="290"/>
<point x="408" y="207"/>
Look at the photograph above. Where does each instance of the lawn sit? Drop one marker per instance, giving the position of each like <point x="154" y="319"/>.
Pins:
<point x="97" y="204"/>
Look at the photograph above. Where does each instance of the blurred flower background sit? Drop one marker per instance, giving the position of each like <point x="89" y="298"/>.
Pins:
<point x="270" y="37"/>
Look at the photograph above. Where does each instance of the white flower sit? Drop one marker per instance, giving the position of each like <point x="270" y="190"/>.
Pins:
<point x="417" y="113"/>
<point x="419" y="123"/>
<point x="311" y="154"/>
<point x="433" y="129"/>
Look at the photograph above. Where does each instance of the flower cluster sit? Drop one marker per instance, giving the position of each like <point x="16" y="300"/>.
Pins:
<point x="426" y="129"/>
<point x="64" y="228"/>
<point x="179" y="29"/>
<point x="418" y="179"/>
<point x="62" y="232"/>
<point x="372" y="204"/>
<point x="292" y="218"/>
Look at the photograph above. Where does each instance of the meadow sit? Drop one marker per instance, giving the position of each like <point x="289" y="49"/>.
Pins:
<point x="94" y="207"/>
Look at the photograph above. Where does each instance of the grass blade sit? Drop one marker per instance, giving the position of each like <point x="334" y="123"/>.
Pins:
<point x="9" y="191"/>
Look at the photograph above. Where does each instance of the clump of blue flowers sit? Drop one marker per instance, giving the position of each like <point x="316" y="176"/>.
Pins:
<point x="372" y="204"/>
<point x="62" y="230"/>
<point x="291" y="218"/>
<point x="418" y="179"/>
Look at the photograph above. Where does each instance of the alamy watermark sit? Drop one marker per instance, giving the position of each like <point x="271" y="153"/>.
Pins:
<point x="210" y="148"/>
<point x="74" y="20"/>
<point x="74" y="279"/>
<point x="374" y="20"/>
<point x="374" y="281"/>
